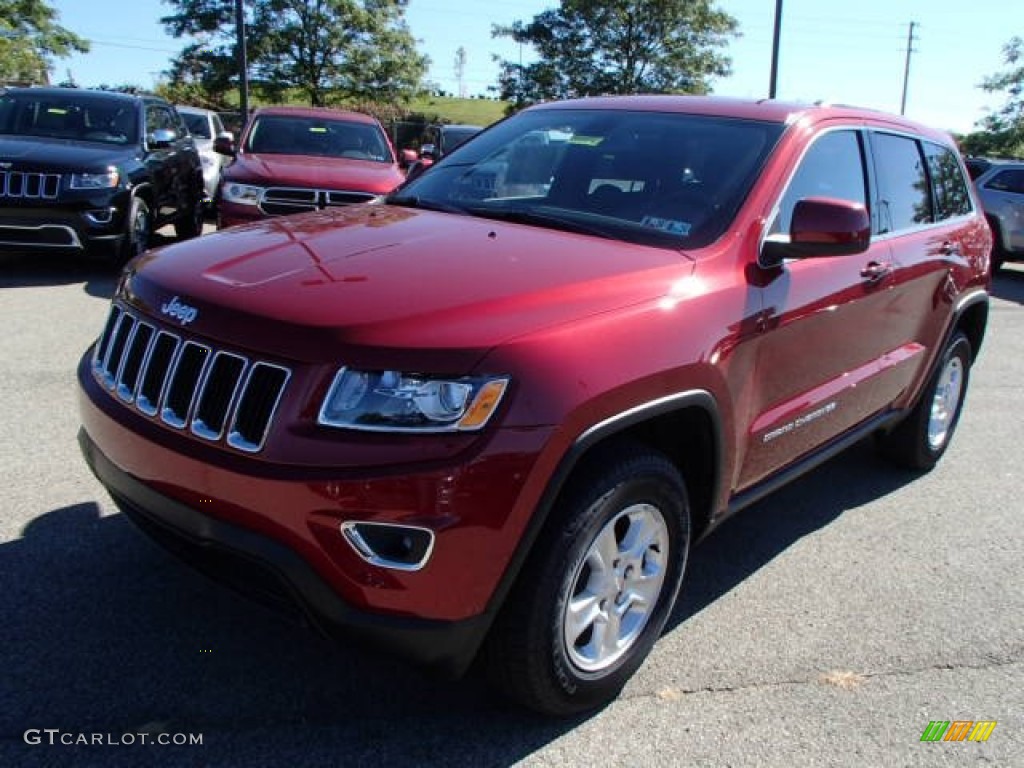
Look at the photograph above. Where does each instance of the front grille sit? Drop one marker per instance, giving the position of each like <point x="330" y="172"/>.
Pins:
<point x="44" y="186"/>
<point x="214" y="394"/>
<point x="281" y="201"/>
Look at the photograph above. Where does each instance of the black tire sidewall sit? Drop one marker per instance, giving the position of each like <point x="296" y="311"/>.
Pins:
<point x="588" y="689"/>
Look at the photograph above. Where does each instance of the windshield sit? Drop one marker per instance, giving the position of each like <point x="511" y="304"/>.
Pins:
<point x="650" y="177"/>
<point x="288" y="135"/>
<point x="69" y="116"/>
<point x="198" y="124"/>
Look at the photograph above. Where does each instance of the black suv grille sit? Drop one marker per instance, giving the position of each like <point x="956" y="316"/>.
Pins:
<point x="42" y="186"/>
<point x="217" y="395"/>
<point x="280" y="201"/>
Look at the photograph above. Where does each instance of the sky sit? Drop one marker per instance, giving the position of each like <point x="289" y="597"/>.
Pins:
<point x="831" y="50"/>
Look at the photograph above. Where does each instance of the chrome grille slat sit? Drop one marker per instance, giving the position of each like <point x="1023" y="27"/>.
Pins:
<point x="279" y="201"/>
<point x="217" y="395"/>
<point x="33" y="186"/>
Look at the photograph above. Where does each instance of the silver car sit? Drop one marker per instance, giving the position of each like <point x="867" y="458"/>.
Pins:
<point x="1001" y="189"/>
<point x="205" y="125"/>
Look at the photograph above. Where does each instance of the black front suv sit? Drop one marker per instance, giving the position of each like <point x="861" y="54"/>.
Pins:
<point x="94" y="172"/>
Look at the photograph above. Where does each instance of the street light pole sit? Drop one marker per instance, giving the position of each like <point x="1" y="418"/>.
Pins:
<point x="243" y="63"/>
<point x="775" y="50"/>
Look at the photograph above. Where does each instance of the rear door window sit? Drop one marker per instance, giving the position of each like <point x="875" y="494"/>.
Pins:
<point x="904" y="195"/>
<point x="1007" y="181"/>
<point x="952" y="197"/>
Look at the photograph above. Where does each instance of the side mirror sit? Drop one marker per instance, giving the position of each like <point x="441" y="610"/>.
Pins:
<point x="161" y="138"/>
<point x="406" y="158"/>
<point x="224" y="144"/>
<point x="821" y="227"/>
<point x="428" y="152"/>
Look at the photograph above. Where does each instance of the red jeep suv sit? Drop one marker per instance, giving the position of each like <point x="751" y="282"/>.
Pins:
<point x="487" y="417"/>
<point x="295" y="159"/>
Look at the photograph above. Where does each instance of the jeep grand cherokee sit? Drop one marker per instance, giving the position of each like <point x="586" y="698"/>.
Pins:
<point x="94" y="172"/>
<point x="490" y="416"/>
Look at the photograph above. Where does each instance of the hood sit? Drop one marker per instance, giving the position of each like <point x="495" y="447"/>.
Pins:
<point x="317" y="172"/>
<point x="29" y="153"/>
<point x="373" y="279"/>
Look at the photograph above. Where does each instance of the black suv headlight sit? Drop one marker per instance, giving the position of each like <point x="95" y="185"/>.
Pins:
<point x="107" y="179"/>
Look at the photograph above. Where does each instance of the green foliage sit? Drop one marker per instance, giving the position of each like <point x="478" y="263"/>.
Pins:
<point x="330" y="50"/>
<point x="1003" y="130"/>
<point x="592" y="47"/>
<point x="30" y="38"/>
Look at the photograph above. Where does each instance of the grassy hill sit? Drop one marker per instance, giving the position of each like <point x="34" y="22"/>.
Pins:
<point x="470" y="111"/>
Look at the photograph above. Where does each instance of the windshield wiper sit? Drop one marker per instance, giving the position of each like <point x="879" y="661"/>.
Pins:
<point x="413" y="201"/>
<point x="527" y="216"/>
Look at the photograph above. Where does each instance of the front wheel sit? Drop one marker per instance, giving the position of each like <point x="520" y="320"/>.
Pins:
<point x="921" y="439"/>
<point x="190" y="223"/>
<point x="138" y="230"/>
<point x="598" y="589"/>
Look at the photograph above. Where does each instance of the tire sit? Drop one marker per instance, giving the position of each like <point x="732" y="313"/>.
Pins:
<point x="998" y="252"/>
<point x="921" y="439"/>
<point x="551" y="648"/>
<point x="138" y="232"/>
<point x="190" y="224"/>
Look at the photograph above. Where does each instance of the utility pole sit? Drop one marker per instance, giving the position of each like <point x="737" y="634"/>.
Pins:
<point x="243" y="64"/>
<point x="906" y="67"/>
<point x="772" y="86"/>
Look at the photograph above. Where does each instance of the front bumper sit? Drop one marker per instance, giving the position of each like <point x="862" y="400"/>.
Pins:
<point x="274" y="575"/>
<point x="275" y="529"/>
<point x="97" y="225"/>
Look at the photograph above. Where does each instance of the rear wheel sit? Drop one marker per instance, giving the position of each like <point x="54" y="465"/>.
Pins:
<point x="921" y="439"/>
<point x="596" y="592"/>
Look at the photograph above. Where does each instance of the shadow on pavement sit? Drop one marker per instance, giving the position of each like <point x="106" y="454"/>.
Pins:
<point x="755" y="536"/>
<point x="106" y="633"/>
<point x="29" y="270"/>
<point x="1008" y="283"/>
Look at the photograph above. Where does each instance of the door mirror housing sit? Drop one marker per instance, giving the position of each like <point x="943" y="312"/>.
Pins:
<point x="821" y="227"/>
<point x="224" y="144"/>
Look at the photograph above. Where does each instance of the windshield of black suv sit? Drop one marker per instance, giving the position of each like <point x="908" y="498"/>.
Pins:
<point x="69" y="116"/>
<point x="319" y="137"/>
<point x="657" y="178"/>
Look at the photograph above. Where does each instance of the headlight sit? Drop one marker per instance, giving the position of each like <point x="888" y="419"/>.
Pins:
<point x="104" y="180"/>
<point x="390" y="401"/>
<point x="243" y="194"/>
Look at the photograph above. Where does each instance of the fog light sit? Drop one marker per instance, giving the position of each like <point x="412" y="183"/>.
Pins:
<point x="400" y="547"/>
<point x="100" y="215"/>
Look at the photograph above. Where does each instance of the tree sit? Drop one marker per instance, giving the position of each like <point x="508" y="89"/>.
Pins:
<point x="327" y="49"/>
<point x="1003" y="129"/>
<point x="30" y="38"/>
<point x="591" y="47"/>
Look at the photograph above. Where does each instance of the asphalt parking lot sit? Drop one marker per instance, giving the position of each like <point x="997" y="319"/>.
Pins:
<point x="827" y="625"/>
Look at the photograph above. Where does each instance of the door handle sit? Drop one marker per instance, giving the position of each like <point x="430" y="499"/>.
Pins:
<point x="875" y="270"/>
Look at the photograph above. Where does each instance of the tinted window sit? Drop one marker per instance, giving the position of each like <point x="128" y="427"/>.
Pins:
<point x="69" y="116"/>
<point x="198" y="125"/>
<point x="832" y="167"/>
<point x="159" y="118"/>
<point x="318" y="137"/>
<point x="675" y="180"/>
<point x="904" y="197"/>
<point x="1007" y="181"/>
<point x="951" y="195"/>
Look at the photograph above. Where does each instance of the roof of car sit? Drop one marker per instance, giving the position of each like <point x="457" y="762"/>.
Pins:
<point x="748" y="109"/>
<point x="330" y="114"/>
<point x="82" y="93"/>
<point x="193" y="110"/>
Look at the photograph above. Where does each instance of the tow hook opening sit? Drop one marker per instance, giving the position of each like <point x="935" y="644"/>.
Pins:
<point x="387" y="545"/>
